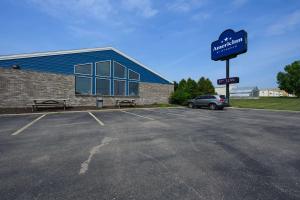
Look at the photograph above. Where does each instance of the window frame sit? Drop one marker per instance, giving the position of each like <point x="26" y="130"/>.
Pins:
<point x="125" y="83"/>
<point x="91" y="84"/>
<point x="129" y="87"/>
<point x="134" y="72"/>
<point x="108" y="85"/>
<point x="92" y="70"/>
<point x="96" y="74"/>
<point x="125" y="71"/>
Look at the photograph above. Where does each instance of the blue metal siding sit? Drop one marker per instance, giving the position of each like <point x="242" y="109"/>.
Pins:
<point x="64" y="64"/>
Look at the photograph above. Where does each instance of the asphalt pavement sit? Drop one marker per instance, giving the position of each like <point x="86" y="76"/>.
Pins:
<point x="174" y="153"/>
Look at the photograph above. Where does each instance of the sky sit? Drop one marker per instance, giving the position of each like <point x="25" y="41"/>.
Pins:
<point x="172" y="37"/>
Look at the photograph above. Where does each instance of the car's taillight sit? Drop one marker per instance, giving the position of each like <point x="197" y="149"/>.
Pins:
<point x="222" y="100"/>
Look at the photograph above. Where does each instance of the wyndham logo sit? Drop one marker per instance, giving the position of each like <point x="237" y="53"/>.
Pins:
<point x="229" y="45"/>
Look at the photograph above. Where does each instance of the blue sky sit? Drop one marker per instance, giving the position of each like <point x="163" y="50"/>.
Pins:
<point x="172" y="37"/>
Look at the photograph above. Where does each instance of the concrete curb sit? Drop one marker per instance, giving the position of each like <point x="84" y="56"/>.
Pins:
<point x="82" y="111"/>
<point x="262" y="109"/>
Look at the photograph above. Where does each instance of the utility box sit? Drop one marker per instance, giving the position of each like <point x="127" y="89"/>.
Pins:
<point x="99" y="102"/>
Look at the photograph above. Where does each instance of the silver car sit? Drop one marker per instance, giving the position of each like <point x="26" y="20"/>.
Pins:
<point x="213" y="102"/>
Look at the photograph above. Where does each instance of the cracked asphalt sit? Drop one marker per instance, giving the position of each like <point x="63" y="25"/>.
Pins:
<point x="175" y="153"/>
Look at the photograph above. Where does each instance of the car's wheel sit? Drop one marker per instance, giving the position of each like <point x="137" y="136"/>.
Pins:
<point x="191" y="105"/>
<point x="212" y="106"/>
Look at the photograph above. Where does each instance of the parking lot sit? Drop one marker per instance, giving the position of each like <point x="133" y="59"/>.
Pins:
<point x="174" y="153"/>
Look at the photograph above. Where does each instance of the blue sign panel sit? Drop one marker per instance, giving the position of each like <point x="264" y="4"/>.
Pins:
<point x="229" y="45"/>
<point x="230" y="80"/>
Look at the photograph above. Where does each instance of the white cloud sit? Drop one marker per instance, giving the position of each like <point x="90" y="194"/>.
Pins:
<point x="239" y="3"/>
<point x="97" y="18"/>
<point x="185" y="5"/>
<point x="286" y="24"/>
<point x="98" y="9"/>
<point x="80" y="32"/>
<point x="201" y="16"/>
<point x="144" y="7"/>
<point x="95" y="9"/>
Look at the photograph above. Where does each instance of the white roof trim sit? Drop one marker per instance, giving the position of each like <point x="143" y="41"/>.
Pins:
<point x="52" y="53"/>
<point x="137" y="62"/>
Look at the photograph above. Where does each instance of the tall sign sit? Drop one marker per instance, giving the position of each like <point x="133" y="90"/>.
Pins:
<point x="228" y="46"/>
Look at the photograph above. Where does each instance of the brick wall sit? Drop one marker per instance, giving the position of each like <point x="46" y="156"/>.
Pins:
<point x="18" y="88"/>
<point x="154" y="93"/>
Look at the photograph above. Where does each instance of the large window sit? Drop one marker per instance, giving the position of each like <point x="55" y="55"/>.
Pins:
<point x="85" y="69"/>
<point x="133" y="88"/>
<point x="103" y="68"/>
<point x="106" y="78"/>
<point x="133" y="75"/>
<point x="119" y="70"/>
<point x="119" y="87"/>
<point x="102" y="86"/>
<point x="83" y="85"/>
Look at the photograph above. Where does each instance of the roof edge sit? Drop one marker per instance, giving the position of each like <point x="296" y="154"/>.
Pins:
<point x="52" y="53"/>
<point x="139" y="63"/>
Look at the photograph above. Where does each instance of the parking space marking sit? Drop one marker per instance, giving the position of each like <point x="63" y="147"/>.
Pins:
<point x="168" y="113"/>
<point x="98" y="120"/>
<point x="137" y="115"/>
<point x="28" y="125"/>
<point x="71" y="124"/>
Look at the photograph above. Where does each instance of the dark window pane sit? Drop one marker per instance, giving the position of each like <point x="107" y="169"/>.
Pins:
<point x="119" y="70"/>
<point x="82" y="85"/>
<point x="103" y="86"/>
<point x="103" y="68"/>
<point x="133" y="89"/>
<point x="119" y="88"/>
<point x="133" y="75"/>
<point x="83" y="69"/>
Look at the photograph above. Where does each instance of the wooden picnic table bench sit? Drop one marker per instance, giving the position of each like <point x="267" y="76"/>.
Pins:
<point x="47" y="103"/>
<point x="128" y="102"/>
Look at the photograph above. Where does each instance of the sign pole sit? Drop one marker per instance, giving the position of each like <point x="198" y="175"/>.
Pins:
<point x="227" y="83"/>
<point x="229" y="45"/>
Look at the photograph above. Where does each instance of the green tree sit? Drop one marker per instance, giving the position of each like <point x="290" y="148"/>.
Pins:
<point x="205" y="86"/>
<point x="191" y="87"/>
<point x="175" y="85"/>
<point x="179" y="97"/>
<point x="182" y="84"/>
<point x="289" y="80"/>
<point x="210" y="87"/>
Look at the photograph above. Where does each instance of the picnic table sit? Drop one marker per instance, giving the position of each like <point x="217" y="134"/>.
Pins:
<point x="47" y="103"/>
<point x="121" y="102"/>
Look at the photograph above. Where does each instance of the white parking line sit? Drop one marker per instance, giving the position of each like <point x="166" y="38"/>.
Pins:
<point x="71" y="124"/>
<point x="137" y="115"/>
<point x="168" y="113"/>
<point x="28" y="125"/>
<point x="98" y="120"/>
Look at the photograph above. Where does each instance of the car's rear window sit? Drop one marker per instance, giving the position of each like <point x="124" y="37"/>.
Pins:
<point x="207" y="97"/>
